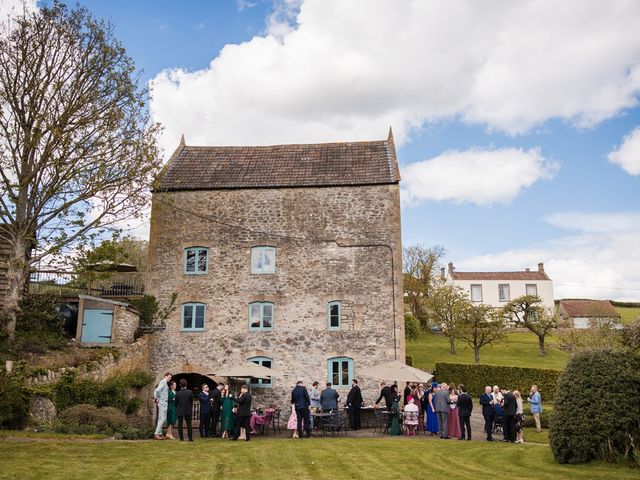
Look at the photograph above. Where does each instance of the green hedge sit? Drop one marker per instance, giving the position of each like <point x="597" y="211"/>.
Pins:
<point x="476" y="377"/>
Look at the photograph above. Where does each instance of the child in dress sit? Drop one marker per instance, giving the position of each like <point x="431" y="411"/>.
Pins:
<point x="292" y="424"/>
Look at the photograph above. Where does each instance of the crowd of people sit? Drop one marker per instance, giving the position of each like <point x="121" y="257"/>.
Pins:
<point x="444" y="410"/>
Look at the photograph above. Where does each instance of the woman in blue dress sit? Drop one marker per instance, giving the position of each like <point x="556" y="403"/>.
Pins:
<point x="431" y="419"/>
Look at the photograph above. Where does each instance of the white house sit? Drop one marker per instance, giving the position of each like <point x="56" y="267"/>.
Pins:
<point x="498" y="288"/>
<point x="587" y="313"/>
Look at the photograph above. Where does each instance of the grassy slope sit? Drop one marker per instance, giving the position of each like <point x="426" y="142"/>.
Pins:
<point x="520" y="349"/>
<point x="628" y="314"/>
<point x="282" y="458"/>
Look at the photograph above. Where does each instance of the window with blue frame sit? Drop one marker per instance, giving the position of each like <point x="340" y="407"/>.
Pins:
<point x="340" y="371"/>
<point x="263" y="260"/>
<point x="193" y="317"/>
<point x="196" y="260"/>
<point x="265" y="362"/>
<point x="335" y="315"/>
<point x="261" y="316"/>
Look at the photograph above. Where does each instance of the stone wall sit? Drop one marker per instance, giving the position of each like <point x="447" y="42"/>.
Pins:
<point x="346" y="247"/>
<point x="125" y="323"/>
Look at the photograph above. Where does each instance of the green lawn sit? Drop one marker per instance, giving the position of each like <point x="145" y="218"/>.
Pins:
<point x="520" y="349"/>
<point x="338" y="458"/>
<point x="628" y="314"/>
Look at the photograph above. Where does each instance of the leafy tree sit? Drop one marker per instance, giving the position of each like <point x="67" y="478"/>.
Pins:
<point x="445" y="306"/>
<point x="77" y="150"/>
<point x="528" y="312"/>
<point x="420" y="266"/>
<point x="631" y="335"/>
<point x="411" y="327"/>
<point x="117" y="250"/>
<point x="479" y="326"/>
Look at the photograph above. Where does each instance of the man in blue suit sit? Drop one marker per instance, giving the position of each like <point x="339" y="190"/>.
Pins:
<point x="301" y="401"/>
<point x="205" y="411"/>
<point x="329" y="398"/>
<point x="486" y="400"/>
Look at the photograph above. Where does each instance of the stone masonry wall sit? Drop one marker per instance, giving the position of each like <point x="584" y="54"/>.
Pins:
<point x="125" y="324"/>
<point x="338" y="253"/>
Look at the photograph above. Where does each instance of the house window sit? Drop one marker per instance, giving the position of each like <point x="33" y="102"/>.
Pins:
<point x="340" y="371"/>
<point x="476" y="293"/>
<point x="261" y="382"/>
<point x="503" y="292"/>
<point x="193" y="317"/>
<point x="532" y="289"/>
<point x="261" y="316"/>
<point x="263" y="260"/>
<point x="196" y="260"/>
<point x="335" y="315"/>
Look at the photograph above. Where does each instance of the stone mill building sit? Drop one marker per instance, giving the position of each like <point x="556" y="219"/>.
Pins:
<point x="288" y="256"/>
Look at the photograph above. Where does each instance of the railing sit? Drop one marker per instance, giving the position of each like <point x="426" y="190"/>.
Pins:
<point x="102" y="284"/>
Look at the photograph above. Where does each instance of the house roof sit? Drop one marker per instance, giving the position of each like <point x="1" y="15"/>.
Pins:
<point x="523" y="275"/>
<point x="298" y="165"/>
<point x="589" y="308"/>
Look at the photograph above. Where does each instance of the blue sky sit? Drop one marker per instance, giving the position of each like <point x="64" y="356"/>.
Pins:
<point x="505" y="115"/>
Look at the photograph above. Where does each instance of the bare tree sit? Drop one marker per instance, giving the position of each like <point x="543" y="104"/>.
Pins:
<point x="420" y="266"/>
<point x="527" y="311"/>
<point x="479" y="326"/>
<point x="445" y="306"/>
<point x="77" y="150"/>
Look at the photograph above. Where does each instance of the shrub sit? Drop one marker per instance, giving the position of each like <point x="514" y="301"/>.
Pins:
<point x="596" y="411"/>
<point x="14" y="401"/>
<point x="631" y="335"/>
<point x="476" y="377"/>
<point x="412" y="328"/>
<point x="39" y="325"/>
<point x="88" y="419"/>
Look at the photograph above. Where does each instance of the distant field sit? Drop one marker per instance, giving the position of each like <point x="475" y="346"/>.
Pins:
<point x="628" y="314"/>
<point x="520" y="349"/>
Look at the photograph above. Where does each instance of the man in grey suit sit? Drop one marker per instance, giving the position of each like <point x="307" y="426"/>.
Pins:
<point x="441" y="404"/>
<point x="161" y="394"/>
<point x="329" y="398"/>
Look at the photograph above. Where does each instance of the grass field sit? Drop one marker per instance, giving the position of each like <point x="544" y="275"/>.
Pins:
<point x="520" y="349"/>
<point x="628" y="314"/>
<point x="338" y="458"/>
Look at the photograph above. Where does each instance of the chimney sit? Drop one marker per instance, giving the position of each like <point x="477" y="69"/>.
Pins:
<point x="541" y="267"/>
<point x="442" y="274"/>
<point x="527" y="269"/>
<point x="450" y="268"/>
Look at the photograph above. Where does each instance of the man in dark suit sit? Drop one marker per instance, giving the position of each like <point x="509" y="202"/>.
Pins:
<point x="406" y="393"/>
<point x="465" y="407"/>
<point x="301" y="402"/>
<point x="329" y="398"/>
<point x="184" y="401"/>
<point x="243" y="413"/>
<point x="388" y="393"/>
<point x="205" y="411"/>
<point x="354" y="402"/>
<point x="216" y="406"/>
<point x="486" y="400"/>
<point x="510" y="407"/>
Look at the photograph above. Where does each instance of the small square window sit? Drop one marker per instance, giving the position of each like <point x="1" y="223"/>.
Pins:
<point x="476" y="293"/>
<point x="193" y="317"/>
<point x="504" y="294"/>
<point x="263" y="260"/>
<point x="261" y="316"/>
<point x="340" y="371"/>
<point x="532" y="289"/>
<point x="261" y="382"/>
<point x="196" y="260"/>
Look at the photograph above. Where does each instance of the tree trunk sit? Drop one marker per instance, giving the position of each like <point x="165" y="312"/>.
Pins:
<point x="17" y="271"/>
<point x="452" y="344"/>
<point x="476" y="352"/>
<point x="541" y="344"/>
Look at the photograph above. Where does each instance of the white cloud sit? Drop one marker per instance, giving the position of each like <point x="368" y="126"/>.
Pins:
<point x="476" y="176"/>
<point x="586" y="263"/>
<point x="627" y="155"/>
<point x="347" y="70"/>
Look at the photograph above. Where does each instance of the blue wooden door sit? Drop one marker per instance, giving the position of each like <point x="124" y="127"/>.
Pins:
<point x="96" y="326"/>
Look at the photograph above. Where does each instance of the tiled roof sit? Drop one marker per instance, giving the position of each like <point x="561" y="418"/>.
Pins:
<point x="301" y="165"/>
<point x="523" y="275"/>
<point x="589" y="308"/>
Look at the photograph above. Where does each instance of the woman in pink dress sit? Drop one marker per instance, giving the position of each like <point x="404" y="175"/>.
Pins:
<point x="454" y="419"/>
<point x="292" y="424"/>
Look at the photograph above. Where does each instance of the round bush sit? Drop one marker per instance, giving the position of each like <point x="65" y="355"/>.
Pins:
<point x="596" y="409"/>
<point x="411" y="327"/>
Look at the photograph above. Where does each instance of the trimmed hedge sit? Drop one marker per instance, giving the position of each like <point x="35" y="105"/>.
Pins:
<point x="597" y="409"/>
<point x="476" y="377"/>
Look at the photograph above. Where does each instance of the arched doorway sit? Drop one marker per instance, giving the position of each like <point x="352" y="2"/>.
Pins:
<point x="194" y="383"/>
